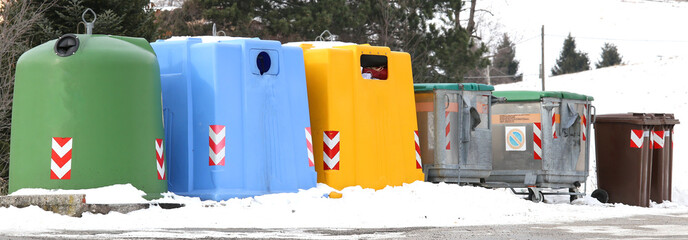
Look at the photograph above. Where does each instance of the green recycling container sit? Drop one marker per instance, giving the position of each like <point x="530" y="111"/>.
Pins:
<point x="88" y="113"/>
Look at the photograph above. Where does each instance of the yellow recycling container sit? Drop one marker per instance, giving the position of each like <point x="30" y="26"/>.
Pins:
<point x="362" y="104"/>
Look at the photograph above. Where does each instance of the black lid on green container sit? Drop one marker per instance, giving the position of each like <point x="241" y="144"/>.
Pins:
<point x="422" y="87"/>
<point x="524" y="96"/>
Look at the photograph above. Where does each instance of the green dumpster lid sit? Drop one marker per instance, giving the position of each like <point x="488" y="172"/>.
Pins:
<point x="522" y="96"/>
<point x="422" y="87"/>
<point x="576" y="96"/>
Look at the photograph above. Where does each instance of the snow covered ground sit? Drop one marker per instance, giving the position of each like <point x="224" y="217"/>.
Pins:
<point x="411" y="205"/>
<point x="646" y="84"/>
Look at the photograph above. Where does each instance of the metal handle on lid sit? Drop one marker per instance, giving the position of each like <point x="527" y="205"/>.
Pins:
<point x="89" y="25"/>
<point x="322" y="37"/>
<point x="216" y="32"/>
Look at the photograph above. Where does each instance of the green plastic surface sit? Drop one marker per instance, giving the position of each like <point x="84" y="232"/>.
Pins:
<point x="106" y="97"/>
<point x="523" y="96"/>
<point x="423" y="87"/>
<point x="570" y="95"/>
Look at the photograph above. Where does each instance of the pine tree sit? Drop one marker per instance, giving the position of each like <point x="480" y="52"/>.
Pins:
<point x="571" y="60"/>
<point x="504" y="62"/>
<point x="440" y="52"/>
<point x="126" y="18"/>
<point x="610" y="56"/>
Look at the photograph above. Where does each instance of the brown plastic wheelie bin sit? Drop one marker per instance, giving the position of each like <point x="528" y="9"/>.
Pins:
<point x="662" y="158"/>
<point x="624" y="156"/>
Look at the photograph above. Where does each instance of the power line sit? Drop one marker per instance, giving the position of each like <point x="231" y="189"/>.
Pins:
<point x="519" y="42"/>
<point x="500" y="76"/>
<point x="482" y="77"/>
<point x="622" y="39"/>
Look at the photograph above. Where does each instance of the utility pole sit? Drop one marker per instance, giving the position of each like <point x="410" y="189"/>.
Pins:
<point x="542" y="66"/>
<point x="487" y="73"/>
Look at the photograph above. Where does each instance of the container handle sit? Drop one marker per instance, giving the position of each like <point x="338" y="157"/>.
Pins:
<point x="89" y="25"/>
<point x="322" y="36"/>
<point x="594" y="114"/>
<point x="446" y="101"/>
<point x="494" y="99"/>
<point x="216" y="32"/>
<point x="475" y="118"/>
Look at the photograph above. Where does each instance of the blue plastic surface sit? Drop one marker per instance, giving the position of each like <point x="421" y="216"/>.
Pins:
<point x="257" y="90"/>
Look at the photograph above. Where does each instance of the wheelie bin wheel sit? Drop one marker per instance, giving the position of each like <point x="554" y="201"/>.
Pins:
<point x="535" y="195"/>
<point x="601" y="195"/>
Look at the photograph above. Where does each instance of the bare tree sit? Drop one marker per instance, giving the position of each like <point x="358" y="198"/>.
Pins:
<point x="17" y="19"/>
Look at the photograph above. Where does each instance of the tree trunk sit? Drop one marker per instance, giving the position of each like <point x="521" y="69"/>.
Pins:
<point x="470" y="28"/>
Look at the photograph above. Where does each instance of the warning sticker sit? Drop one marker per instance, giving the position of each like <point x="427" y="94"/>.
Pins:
<point x="481" y="104"/>
<point x="515" y="118"/>
<point x="425" y="107"/>
<point x="515" y="138"/>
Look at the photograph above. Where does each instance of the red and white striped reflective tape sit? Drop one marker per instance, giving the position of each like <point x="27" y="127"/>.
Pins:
<point x="309" y="145"/>
<point x="657" y="139"/>
<point x="216" y="141"/>
<point x="537" y="141"/>
<point x="331" y="150"/>
<point x="160" y="159"/>
<point x="419" y="164"/>
<point x="584" y="123"/>
<point x="447" y="129"/>
<point x="61" y="158"/>
<point x="554" y="124"/>
<point x="636" y="138"/>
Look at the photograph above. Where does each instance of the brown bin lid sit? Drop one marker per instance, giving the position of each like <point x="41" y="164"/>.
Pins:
<point x="632" y="118"/>
<point x="667" y="118"/>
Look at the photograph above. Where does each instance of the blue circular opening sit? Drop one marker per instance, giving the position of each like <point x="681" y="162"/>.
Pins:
<point x="263" y="62"/>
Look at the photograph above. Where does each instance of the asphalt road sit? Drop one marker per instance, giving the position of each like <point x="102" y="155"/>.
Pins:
<point x="636" y="227"/>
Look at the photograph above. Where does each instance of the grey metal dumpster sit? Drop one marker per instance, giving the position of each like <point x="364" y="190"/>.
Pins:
<point x="454" y="131"/>
<point x="540" y="140"/>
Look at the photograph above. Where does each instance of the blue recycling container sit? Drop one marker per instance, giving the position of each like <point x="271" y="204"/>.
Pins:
<point x="236" y="117"/>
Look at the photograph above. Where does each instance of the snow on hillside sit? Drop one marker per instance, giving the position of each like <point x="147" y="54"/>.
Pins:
<point x="659" y="86"/>
<point x="643" y="31"/>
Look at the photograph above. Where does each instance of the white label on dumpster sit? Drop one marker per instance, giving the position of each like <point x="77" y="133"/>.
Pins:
<point x="515" y="138"/>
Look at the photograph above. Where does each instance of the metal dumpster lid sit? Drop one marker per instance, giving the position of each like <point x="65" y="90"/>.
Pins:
<point x="637" y="118"/>
<point x="523" y="96"/>
<point x="422" y="87"/>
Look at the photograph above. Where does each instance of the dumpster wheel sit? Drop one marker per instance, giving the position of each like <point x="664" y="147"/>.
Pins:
<point x="574" y="191"/>
<point x="601" y="195"/>
<point x="535" y="195"/>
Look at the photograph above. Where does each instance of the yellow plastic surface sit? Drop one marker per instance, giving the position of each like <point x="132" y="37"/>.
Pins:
<point x="376" y="119"/>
